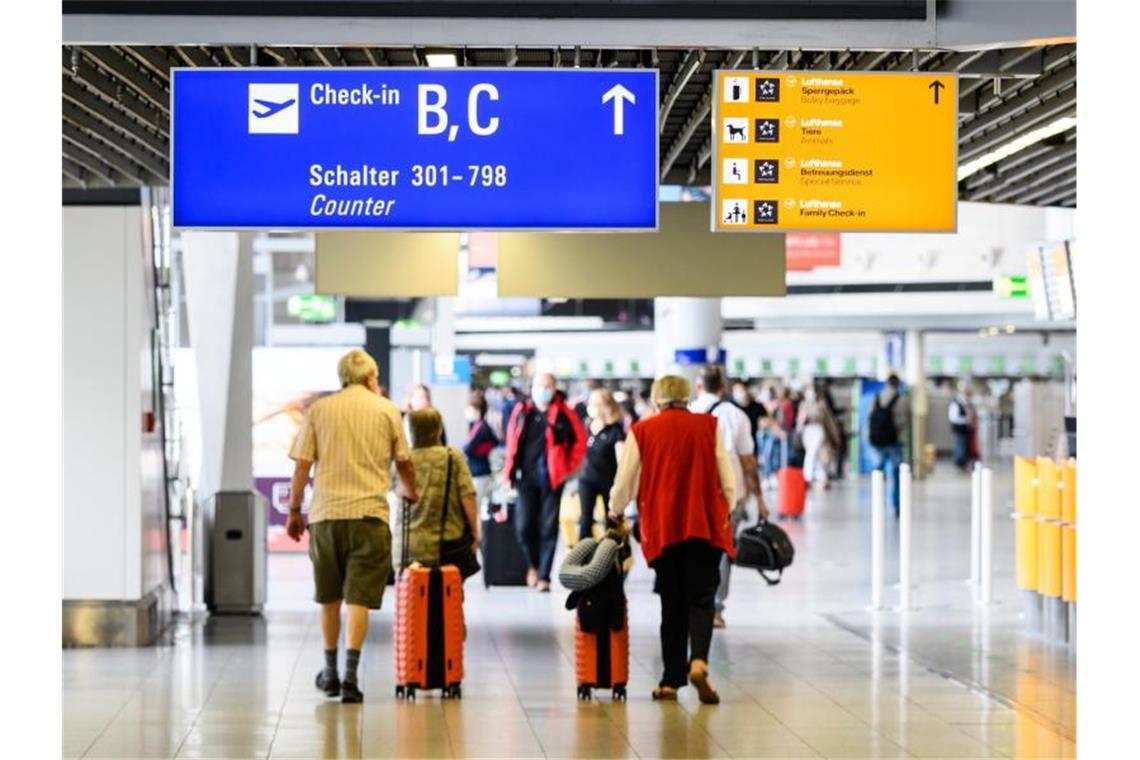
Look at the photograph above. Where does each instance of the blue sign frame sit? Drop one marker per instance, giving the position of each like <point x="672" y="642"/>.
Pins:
<point x="414" y="148"/>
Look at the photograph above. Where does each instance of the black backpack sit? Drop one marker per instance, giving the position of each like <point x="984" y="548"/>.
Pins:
<point x="881" y="427"/>
<point x="765" y="547"/>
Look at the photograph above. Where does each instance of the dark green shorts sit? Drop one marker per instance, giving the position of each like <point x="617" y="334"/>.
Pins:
<point x="351" y="559"/>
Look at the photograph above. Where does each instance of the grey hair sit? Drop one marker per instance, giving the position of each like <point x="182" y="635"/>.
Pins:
<point x="355" y="367"/>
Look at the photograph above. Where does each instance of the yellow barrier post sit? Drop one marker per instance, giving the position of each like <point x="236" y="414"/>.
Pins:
<point x="1025" y="527"/>
<point x="1049" y="487"/>
<point x="1069" y="546"/>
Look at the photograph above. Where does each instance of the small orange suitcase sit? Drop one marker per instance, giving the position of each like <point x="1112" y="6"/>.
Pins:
<point x="428" y="635"/>
<point x="602" y="657"/>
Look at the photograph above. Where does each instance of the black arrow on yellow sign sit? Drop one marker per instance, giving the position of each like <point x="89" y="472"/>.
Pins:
<point x="936" y="85"/>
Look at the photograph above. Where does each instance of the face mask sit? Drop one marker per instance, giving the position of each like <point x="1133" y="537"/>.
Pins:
<point x="470" y="414"/>
<point x="593" y="411"/>
<point x="741" y="397"/>
<point x="543" y="396"/>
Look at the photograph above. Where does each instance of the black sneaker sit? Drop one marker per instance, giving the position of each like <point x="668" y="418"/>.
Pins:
<point x="330" y="685"/>
<point x="350" y="693"/>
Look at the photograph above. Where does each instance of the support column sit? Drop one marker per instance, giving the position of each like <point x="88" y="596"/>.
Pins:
<point x="915" y="363"/>
<point x="449" y="397"/>
<point x="687" y="333"/>
<point x="218" y="270"/>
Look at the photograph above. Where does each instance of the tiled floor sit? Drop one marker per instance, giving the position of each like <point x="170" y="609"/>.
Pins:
<point x="804" y="669"/>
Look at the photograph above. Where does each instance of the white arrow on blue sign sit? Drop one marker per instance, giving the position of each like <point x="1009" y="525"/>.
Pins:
<point x="422" y="149"/>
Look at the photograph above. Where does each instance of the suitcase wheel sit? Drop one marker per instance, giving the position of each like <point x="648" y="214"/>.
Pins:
<point x="453" y="692"/>
<point x="399" y="692"/>
<point x="411" y="693"/>
<point x="584" y="692"/>
<point x="619" y="693"/>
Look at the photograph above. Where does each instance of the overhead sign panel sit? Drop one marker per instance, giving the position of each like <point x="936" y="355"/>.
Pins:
<point x="835" y="150"/>
<point x="422" y="149"/>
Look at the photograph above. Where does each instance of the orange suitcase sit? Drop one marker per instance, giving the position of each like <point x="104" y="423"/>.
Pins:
<point x="429" y="631"/>
<point x="602" y="657"/>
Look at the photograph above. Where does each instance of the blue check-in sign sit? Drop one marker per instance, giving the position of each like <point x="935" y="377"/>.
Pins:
<point x="414" y="149"/>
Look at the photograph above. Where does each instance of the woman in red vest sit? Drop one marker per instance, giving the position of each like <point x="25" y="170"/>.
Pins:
<point x="675" y="465"/>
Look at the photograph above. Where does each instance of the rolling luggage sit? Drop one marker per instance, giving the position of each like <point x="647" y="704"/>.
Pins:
<point x="601" y="638"/>
<point x="791" y="485"/>
<point x="503" y="561"/>
<point x="429" y="631"/>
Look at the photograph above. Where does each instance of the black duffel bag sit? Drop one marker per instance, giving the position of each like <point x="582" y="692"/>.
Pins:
<point x="765" y="547"/>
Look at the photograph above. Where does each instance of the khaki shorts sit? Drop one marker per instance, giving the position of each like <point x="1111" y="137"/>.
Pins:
<point x="351" y="559"/>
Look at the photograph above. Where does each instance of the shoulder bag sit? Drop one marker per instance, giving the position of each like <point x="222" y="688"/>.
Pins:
<point x="456" y="551"/>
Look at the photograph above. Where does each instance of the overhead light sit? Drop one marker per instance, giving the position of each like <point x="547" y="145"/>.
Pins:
<point x="442" y="60"/>
<point x="1010" y="329"/>
<point x="993" y="331"/>
<point x="1063" y="124"/>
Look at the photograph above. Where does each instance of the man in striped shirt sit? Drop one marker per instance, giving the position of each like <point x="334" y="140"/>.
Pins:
<point x="353" y="437"/>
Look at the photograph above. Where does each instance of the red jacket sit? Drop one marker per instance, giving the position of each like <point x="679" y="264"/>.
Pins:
<point x="679" y="493"/>
<point x="565" y="439"/>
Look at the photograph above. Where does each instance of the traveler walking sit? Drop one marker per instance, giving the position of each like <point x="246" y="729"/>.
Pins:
<point x="740" y="444"/>
<point x="959" y="414"/>
<point x="886" y="425"/>
<point x="676" y="466"/>
<point x="818" y="430"/>
<point x="545" y="444"/>
<point x="744" y="400"/>
<point x="353" y="437"/>
<point x="480" y="442"/>
<point x="419" y="397"/>
<point x="603" y="450"/>
<point x="447" y="499"/>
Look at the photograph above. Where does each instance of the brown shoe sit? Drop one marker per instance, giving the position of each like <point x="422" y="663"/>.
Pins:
<point x="718" y="620"/>
<point x="543" y="586"/>
<point x="699" y="678"/>
<point x="664" y="694"/>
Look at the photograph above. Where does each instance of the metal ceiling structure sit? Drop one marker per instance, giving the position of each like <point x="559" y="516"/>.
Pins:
<point x="116" y="103"/>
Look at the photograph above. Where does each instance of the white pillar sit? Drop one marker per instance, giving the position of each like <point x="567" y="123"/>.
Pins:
<point x="975" y="526"/>
<point x="218" y="270"/>
<point x="685" y="324"/>
<point x="905" y="504"/>
<point x="914" y="362"/>
<point x="878" y="520"/>
<point x="986" y="587"/>
<point x="451" y="399"/>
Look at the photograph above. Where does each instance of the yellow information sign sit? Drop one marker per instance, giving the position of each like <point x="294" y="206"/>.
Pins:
<point x="835" y="150"/>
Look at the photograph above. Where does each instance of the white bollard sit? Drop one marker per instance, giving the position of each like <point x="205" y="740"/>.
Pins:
<point x="986" y="569"/>
<point x="904" y="536"/>
<point x="975" y="524"/>
<point x="878" y="519"/>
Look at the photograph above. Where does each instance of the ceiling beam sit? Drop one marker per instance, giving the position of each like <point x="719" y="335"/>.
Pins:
<point x="1052" y="194"/>
<point x="127" y="72"/>
<point x="153" y="59"/>
<point x="693" y="62"/>
<point x="140" y="109"/>
<point x="100" y="108"/>
<point x="194" y="56"/>
<point x="1001" y="175"/>
<point x="697" y="117"/>
<point x="92" y="164"/>
<point x="1058" y="107"/>
<point x="1045" y="177"/>
<point x="79" y="174"/>
<point x="133" y="151"/>
<point x="1033" y="96"/>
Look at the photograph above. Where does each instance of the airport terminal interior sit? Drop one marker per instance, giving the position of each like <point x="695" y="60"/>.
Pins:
<point x="849" y="226"/>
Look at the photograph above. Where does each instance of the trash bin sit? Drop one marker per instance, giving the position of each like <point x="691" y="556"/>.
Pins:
<point x="235" y="525"/>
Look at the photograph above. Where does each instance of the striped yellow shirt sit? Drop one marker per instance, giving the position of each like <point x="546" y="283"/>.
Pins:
<point x="353" y="436"/>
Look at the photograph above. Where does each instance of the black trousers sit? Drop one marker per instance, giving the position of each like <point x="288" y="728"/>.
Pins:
<point x="536" y="522"/>
<point x="588" y="494"/>
<point x="687" y="577"/>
